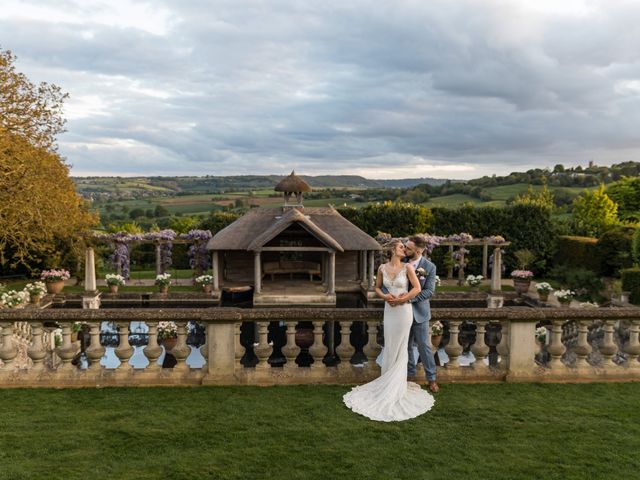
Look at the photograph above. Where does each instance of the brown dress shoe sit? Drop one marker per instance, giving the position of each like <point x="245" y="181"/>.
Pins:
<point x="433" y="386"/>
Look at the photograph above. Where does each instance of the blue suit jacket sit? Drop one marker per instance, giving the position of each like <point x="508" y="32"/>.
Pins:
<point x="420" y="303"/>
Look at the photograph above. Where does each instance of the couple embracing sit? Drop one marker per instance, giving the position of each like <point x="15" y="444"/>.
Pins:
<point x="405" y="282"/>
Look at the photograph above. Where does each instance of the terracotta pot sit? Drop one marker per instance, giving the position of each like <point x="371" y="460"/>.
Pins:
<point x="169" y="343"/>
<point x="55" y="287"/>
<point x="35" y="299"/>
<point x="436" y="340"/>
<point x="543" y="296"/>
<point x="163" y="289"/>
<point x="304" y="337"/>
<point x="521" y="285"/>
<point x="113" y="288"/>
<point x="206" y="288"/>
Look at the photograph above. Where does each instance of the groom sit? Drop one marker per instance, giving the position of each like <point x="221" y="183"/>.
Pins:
<point x="426" y="273"/>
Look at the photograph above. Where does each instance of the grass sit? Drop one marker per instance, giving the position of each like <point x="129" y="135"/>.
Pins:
<point x="504" y="431"/>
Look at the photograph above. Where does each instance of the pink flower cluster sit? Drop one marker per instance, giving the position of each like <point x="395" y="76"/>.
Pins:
<point x="526" y="274"/>
<point x="54" y="275"/>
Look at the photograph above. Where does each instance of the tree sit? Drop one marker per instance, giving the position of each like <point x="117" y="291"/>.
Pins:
<point x="33" y="112"/>
<point x="42" y="219"/>
<point x="136" y="213"/>
<point x="594" y="212"/>
<point x="543" y="198"/>
<point x="161" y="211"/>
<point x="626" y="193"/>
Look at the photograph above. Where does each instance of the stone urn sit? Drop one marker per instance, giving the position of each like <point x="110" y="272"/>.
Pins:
<point x="169" y="343"/>
<point x="35" y="299"/>
<point x="521" y="285"/>
<point x="304" y="337"/>
<point x="113" y="289"/>
<point x="54" y="288"/>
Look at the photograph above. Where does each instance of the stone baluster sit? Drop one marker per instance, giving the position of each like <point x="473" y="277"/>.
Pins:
<point x="480" y="349"/>
<point x="263" y="350"/>
<point x="556" y="349"/>
<point x="36" y="351"/>
<point x="152" y="351"/>
<point x="8" y="350"/>
<point x="372" y="349"/>
<point x="67" y="350"/>
<point x="609" y="347"/>
<point x="345" y="350"/>
<point x="239" y="350"/>
<point x="583" y="348"/>
<point x="181" y="351"/>
<point x="453" y="348"/>
<point x="503" y="345"/>
<point x="318" y="349"/>
<point x="633" y="347"/>
<point x="124" y="350"/>
<point x="291" y="350"/>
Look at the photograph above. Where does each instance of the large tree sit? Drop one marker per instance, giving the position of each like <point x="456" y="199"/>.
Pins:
<point x="594" y="212"/>
<point x="40" y="211"/>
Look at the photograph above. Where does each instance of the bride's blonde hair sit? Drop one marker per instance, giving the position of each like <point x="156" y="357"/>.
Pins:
<point x="389" y="247"/>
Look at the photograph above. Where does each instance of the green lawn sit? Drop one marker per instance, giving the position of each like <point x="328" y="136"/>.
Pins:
<point x="499" y="431"/>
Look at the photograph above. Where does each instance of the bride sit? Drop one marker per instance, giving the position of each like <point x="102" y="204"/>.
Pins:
<point x="390" y="397"/>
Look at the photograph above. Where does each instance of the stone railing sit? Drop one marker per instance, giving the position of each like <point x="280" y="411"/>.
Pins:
<point x="584" y="345"/>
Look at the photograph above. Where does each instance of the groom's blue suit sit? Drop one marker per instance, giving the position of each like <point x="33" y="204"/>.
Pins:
<point x="421" y="316"/>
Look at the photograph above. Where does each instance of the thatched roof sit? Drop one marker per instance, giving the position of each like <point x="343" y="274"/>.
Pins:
<point x="293" y="183"/>
<point x="259" y="225"/>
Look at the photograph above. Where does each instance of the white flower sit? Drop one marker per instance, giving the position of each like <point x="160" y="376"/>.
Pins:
<point x="114" y="279"/>
<point x="438" y="282"/>
<point x="588" y="305"/>
<point x="163" y="279"/>
<point x="543" y="287"/>
<point x="474" y="280"/>
<point x="204" y="280"/>
<point x="36" y="288"/>
<point x="14" y="298"/>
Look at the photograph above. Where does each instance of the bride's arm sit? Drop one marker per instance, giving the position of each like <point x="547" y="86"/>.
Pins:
<point x="379" y="292"/>
<point x="415" y="285"/>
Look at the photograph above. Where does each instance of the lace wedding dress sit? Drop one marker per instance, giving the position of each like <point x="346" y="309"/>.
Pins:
<point x="390" y="397"/>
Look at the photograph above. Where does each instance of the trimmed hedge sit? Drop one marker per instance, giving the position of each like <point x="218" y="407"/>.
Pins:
<point x="397" y="219"/>
<point x="614" y="250"/>
<point x="577" y="252"/>
<point x="631" y="283"/>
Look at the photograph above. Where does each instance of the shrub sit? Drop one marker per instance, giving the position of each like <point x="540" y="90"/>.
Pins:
<point x="594" y="212"/>
<point x="586" y="283"/>
<point x="577" y="252"/>
<point x="614" y="250"/>
<point x="631" y="283"/>
<point x="398" y="219"/>
<point x="635" y="246"/>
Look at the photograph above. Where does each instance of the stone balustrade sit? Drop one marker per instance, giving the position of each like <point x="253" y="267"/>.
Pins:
<point x="260" y="346"/>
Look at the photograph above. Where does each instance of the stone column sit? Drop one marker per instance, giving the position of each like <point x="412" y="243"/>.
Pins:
<point x="263" y="350"/>
<point x="158" y="259"/>
<point x="496" y="271"/>
<point x="503" y="345"/>
<point x="453" y="348"/>
<point x="345" y="350"/>
<point x="372" y="348"/>
<point x="216" y="270"/>
<point x="556" y="349"/>
<point x="221" y="353"/>
<point x="124" y="350"/>
<point x="609" y="347"/>
<point x="238" y="348"/>
<point x="583" y="348"/>
<point x="332" y="273"/>
<point x="521" y="349"/>
<point x="66" y="351"/>
<point x="89" y="271"/>
<point x="152" y="351"/>
<point x="36" y="351"/>
<point x="8" y="350"/>
<point x="257" y="271"/>
<point x="317" y="350"/>
<point x="291" y="350"/>
<point x="95" y="352"/>
<point x="370" y="272"/>
<point x="480" y="349"/>
<point x="633" y="347"/>
<point x="181" y="351"/>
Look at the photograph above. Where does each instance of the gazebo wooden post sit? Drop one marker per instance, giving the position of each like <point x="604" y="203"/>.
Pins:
<point x="370" y="273"/>
<point x="332" y="273"/>
<point x="158" y="259"/>
<point x="363" y="266"/>
<point x="215" y="270"/>
<point x="485" y="256"/>
<point x="450" y="270"/>
<point x="461" y="267"/>
<point x="257" y="272"/>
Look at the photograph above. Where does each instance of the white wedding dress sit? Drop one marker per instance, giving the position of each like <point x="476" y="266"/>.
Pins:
<point x="390" y="397"/>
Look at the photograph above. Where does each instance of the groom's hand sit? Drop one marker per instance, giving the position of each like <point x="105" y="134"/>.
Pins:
<point x="397" y="301"/>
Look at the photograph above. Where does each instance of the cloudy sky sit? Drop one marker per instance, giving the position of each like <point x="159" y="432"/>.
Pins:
<point x="384" y="89"/>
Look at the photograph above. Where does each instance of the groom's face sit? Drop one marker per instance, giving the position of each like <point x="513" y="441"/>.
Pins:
<point x="410" y="249"/>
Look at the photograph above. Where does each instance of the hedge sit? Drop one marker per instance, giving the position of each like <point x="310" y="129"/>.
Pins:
<point x="631" y="283"/>
<point x="577" y="252"/>
<point x="614" y="250"/>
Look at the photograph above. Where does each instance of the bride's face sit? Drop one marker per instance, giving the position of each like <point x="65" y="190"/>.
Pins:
<point x="399" y="251"/>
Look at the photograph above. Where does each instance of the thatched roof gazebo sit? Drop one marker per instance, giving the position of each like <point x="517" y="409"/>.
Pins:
<point x="293" y="255"/>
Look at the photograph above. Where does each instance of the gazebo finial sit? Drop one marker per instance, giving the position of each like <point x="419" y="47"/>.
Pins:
<point x="295" y="185"/>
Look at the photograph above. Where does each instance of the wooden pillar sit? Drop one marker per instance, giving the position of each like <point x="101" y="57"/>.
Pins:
<point x="370" y="272"/>
<point x="325" y="268"/>
<point x="363" y="266"/>
<point x="216" y="270"/>
<point x="332" y="273"/>
<point x="450" y="270"/>
<point x="257" y="272"/>
<point x="485" y="257"/>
